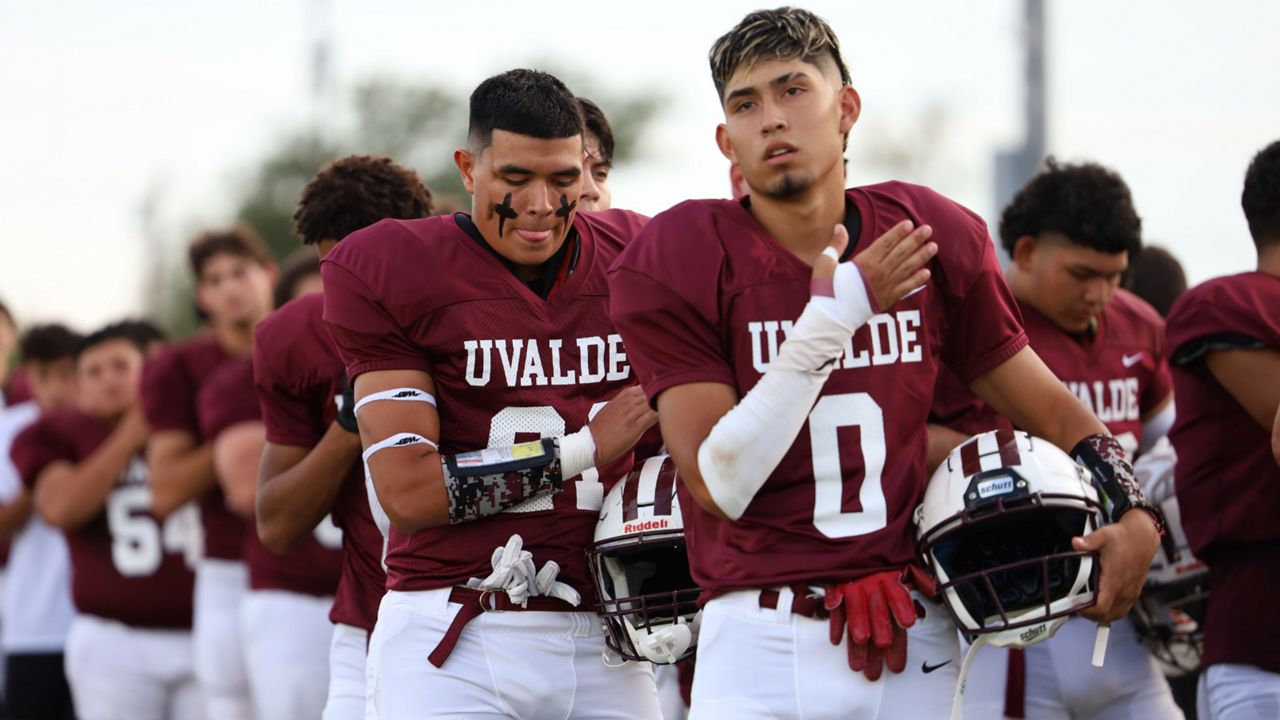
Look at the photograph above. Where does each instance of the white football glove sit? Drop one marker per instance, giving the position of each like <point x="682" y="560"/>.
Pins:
<point x="513" y="572"/>
<point x="546" y="584"/>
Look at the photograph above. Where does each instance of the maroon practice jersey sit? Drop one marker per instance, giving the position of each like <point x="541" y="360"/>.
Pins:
<point x="227" y="399"/>
<point x="705" y="294"/>
<point x="1227" y="480"/>
<point x="1120" y="372"/>
<point x="126" y="565"/>
<point x="508" y="366"/>
<point x="300" y="378"/>
<point x="171" y="382"/>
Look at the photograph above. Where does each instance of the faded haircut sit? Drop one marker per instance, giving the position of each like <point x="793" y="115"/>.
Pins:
<point x="786" y="33"/>
<point x="524" y="102"/>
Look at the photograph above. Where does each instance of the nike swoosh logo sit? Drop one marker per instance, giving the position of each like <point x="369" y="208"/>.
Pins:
<point x="927" y="668"/>
<point x="1131" y="360"/>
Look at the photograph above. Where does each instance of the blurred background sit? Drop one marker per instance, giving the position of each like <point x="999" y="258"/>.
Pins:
<point x="126" y="127"/>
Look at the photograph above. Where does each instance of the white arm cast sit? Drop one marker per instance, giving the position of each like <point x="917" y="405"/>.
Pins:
<point x="745" y="446"/>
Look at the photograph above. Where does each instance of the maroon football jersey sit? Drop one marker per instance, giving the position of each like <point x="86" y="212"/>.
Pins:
<point x="705" y="294"/>
<point x="508" y="366"/>
<point x="171" y="382"/>
<point x="1228" y="483"/>
<point x="300" y="378"/>
<point x="227" y="399"/>
<point x="1120" y="373"/>
<point x="125" y="564"/>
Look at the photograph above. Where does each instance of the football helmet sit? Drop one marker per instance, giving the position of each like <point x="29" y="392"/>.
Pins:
<point x="1170" y="612"/>
<point x="648" y="600"/>
<point x="995" y="528"/>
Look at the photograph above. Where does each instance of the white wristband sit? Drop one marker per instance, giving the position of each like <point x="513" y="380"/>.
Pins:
<point x="397" y="440"/>
<point x="577" y="453"/>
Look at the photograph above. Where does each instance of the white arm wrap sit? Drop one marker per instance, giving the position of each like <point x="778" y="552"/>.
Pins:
<point x="745" y="446"/>
<point x="577" y="453"/>
<point x="1157" y="427"/>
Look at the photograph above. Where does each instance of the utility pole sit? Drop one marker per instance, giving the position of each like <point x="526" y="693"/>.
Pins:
<point x="1015" y="166"/>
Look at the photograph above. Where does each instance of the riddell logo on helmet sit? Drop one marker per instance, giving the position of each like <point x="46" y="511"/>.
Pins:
<point x="645" y="525"/>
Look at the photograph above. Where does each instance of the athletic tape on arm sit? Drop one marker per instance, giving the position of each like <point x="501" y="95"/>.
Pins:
<point x="745" y="446"/>
<point x="405" y="394"/>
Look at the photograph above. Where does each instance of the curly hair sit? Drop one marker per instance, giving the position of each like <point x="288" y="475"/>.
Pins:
<point x="356" y="192"/>
<point x="1086" y="202"/>
<point x="786" y="33"/>
<point x="1261" y="196"/>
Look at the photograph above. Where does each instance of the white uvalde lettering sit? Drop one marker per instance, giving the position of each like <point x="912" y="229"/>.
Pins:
<point x="528" y="362"/>
<point x="471" y="347"/>
<point x="557" y="378"/>
<point x="588" y="372"/>
<point x="887" y="339"/>
<point x="1114" y="400"/>
<point x="510" y="363"/>
<point x="618" y="367"/>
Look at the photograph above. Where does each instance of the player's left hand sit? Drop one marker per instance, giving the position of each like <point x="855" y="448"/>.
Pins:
<point x="876" y="612"/>
<point x="1125" y="550"/>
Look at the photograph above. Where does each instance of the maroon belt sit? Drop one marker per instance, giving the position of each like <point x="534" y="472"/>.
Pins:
<point x="474" y="602"/>
<point x="803" y="601"/>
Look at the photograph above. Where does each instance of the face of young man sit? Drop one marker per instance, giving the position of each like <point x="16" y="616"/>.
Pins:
<point x="1069" y="284"/>
<point x="234" y="290"/>
<point x="785" y="123"/>
<point x="53" y="384"/>
<point x="109" y="373"/>
<point x="596" y="195"/>
<point x="525" y="193"/>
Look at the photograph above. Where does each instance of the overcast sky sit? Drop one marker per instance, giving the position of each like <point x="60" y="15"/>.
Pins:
<point x="105" y="103"/>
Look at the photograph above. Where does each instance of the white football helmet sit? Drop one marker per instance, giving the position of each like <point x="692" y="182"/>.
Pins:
<point x="995" y="528"/>
<point x="640" y="569"/>
<point x="1169" y="615"/>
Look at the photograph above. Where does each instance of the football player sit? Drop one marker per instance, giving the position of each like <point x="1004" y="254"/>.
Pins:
<point x="37" y="594"/>
<point x="233" y="289"/>
<point x="1225" y="340"/>
<point x="803" y="461"/>
<point x="284" y="617"/>
<point x="1071" y="231"/>
<point x="129" y="649"/>
<point x="468" y="337"/>
<point x="597" y="143"/>
<point x="311" y="462"/>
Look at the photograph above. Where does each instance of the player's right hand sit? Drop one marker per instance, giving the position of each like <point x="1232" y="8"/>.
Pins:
<point x="620" y="423"/>
<point x="894" y="265"/>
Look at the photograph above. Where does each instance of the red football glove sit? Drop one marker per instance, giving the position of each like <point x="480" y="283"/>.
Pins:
<point x="878" y="608"/>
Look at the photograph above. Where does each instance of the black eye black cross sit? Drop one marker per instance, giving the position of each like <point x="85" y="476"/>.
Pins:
<point x="505" y="212"/>
<point x="566" y="207"/>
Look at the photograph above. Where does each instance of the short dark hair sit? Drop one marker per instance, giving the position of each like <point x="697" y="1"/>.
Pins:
<point x="296" y="267"/>
<point x="49" y="343"/>
<point x="597" y="124"/>
<point x="239" y="239"/>
<point x="1086" y="202"/>
<point x="1261" y="196"/>
<point x="526" y="102"/>
<point x="355" y="192"/>
<point x="786" y="33"/>
<point x="139" y="333"/>
<point x="1156" y="276"/>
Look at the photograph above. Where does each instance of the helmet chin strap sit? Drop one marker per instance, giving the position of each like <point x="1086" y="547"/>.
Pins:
<point x="1100" y="644"/>
<point x="957" y="699"/>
